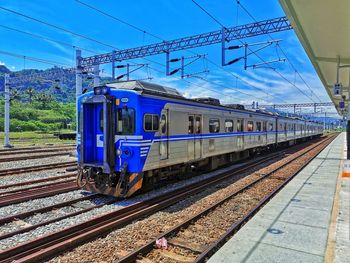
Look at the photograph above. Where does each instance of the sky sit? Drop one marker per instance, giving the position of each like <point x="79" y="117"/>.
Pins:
<point x="167" y="20"/>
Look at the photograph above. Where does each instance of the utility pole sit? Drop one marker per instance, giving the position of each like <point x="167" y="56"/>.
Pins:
<point x="78" y="87"/>
<point x="7" y="113"/>
<point x="78" y="74"/>
<point x="96" y="75"/>
<point x="348" y="123"/>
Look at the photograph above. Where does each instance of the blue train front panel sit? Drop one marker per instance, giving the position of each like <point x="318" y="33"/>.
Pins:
<point x="112" y="144"/>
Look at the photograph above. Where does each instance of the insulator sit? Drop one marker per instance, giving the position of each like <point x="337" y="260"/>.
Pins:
<point x="174" y="71"/>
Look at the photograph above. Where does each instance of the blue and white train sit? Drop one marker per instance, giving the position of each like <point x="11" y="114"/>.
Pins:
<point x="134" y="134"/>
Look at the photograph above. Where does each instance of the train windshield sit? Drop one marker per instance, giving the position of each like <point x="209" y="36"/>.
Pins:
<point x="125" y="120"/>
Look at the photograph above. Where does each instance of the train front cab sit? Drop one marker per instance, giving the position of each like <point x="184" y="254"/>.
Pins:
<point x="105" y="164"/>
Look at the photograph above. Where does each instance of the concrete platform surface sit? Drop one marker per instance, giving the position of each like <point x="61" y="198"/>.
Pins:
<point x="294" y="225"/>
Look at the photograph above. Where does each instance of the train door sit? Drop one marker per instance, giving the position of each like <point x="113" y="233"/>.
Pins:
<point x="294" y="130"/>
<point x="240" y="132"/>
<point x="92" y="142"/>
<point x="97" y="137"/>
<point x="198" y="136"/>
<point x="164" y="136"/>
<point x="277" y="130"/>
<point x="285" y="130"/>
<point x="190" y="142"/>
<point x="265" y="132"/>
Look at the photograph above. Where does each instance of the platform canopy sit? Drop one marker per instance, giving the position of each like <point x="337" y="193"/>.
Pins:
<point x="323" y="28"/>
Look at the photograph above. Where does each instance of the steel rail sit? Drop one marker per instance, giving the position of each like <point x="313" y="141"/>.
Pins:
<point x="38" y="151"/>
<point x="45" y="209"/>
<point x="27" y="229"/>
<point x="238" y="225"/>
<point x="36" y="148"/>
<point x="20" y="158"/>
<point x="36" y="168"/>
<point x="132" y="257"/>
<point x="54" y="243"/>
<point x="10" y="192"/>
<point x="54" y="178"/>
<point x="19" y="197"/>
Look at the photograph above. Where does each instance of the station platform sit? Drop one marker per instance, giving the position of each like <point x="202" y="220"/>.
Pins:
<point x="307" y="221"/>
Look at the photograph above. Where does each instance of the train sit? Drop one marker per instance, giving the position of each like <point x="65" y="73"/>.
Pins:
<point x="133" y="134"/>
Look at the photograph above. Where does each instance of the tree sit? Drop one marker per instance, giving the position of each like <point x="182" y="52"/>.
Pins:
<point x="15" y="96"/>
<point x="44" y="100"/>
<point x="30" y="92"/>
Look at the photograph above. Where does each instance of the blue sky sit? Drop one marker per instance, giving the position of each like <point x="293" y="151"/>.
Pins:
<point x="169" y="20"/>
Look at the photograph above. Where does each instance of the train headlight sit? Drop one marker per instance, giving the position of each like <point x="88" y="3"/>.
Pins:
<point x="119" y="152"/>
<point x="105" y="90"/>
<point x="97" y="90"/>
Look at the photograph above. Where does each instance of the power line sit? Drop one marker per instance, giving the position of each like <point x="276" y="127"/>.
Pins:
<point x="281" y="75"/>
<point x="44" y="61"/>
<point x="94" y="40"/>
<point x="118" y="19"/>
<point x="284" y="53"/>
<point x="160" y="38"/>
<point x="56" y="27"/>
<point x="210" y="15"/>
<point x="47" y="38"/>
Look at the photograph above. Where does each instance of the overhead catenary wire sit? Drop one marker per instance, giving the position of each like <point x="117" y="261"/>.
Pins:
<point x="40" y="60"/>
<point x="118" y="19"/>
<point x="160" y="38"/>
<point x="56" y="27"/>
<point x="48" y="39"/>
<point x="280" y="74"/>
<point x="283" y="52"/>
<point x="108" y="45"/>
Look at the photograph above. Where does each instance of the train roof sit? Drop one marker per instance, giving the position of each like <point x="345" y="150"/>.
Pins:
<point x="144" y="87"/>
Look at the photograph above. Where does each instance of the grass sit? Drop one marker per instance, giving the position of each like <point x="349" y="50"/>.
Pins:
<point x="30" y="138"/>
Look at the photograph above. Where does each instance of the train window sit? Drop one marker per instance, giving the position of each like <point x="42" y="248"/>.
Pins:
<point x="163" y="123"/>
<point x="285" y="126"/>
<point x="125" y="121"/>
<point x="258" y="126"/>
<point x="151" y="122"/>
<point x="239" y="125"/>
<point x="228" y="125"/>
<point x="101" y="120"/>
<point x="250" y="126"/>
<point x="190" y="124"/>
<point x="198" y="125"/>
<point x="147" y="120"/>
<point x="264" y="126"/>
<point x="155" y="122"/>
<point x="214" y="125"/>
<point x="270" y="126"/>
<point x="80" y="119"/>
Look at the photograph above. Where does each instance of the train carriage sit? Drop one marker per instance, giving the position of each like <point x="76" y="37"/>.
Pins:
<point x="131" y="134"/>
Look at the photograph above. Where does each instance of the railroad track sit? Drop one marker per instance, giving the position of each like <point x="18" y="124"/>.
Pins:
<point x="33" y="151"/>
<point x="23" y="215"/>
<point x="30" y="157"/>
<point x="22" y="195"/>
<point x="52" y="244"/>
<point x="192" y="240"/>
<point x="37" y="168"/>
<point x="70" y="178"/>
<point x="54" y="178"/>
<point x="50" y="221"/>
<point x="36" y="148"/>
